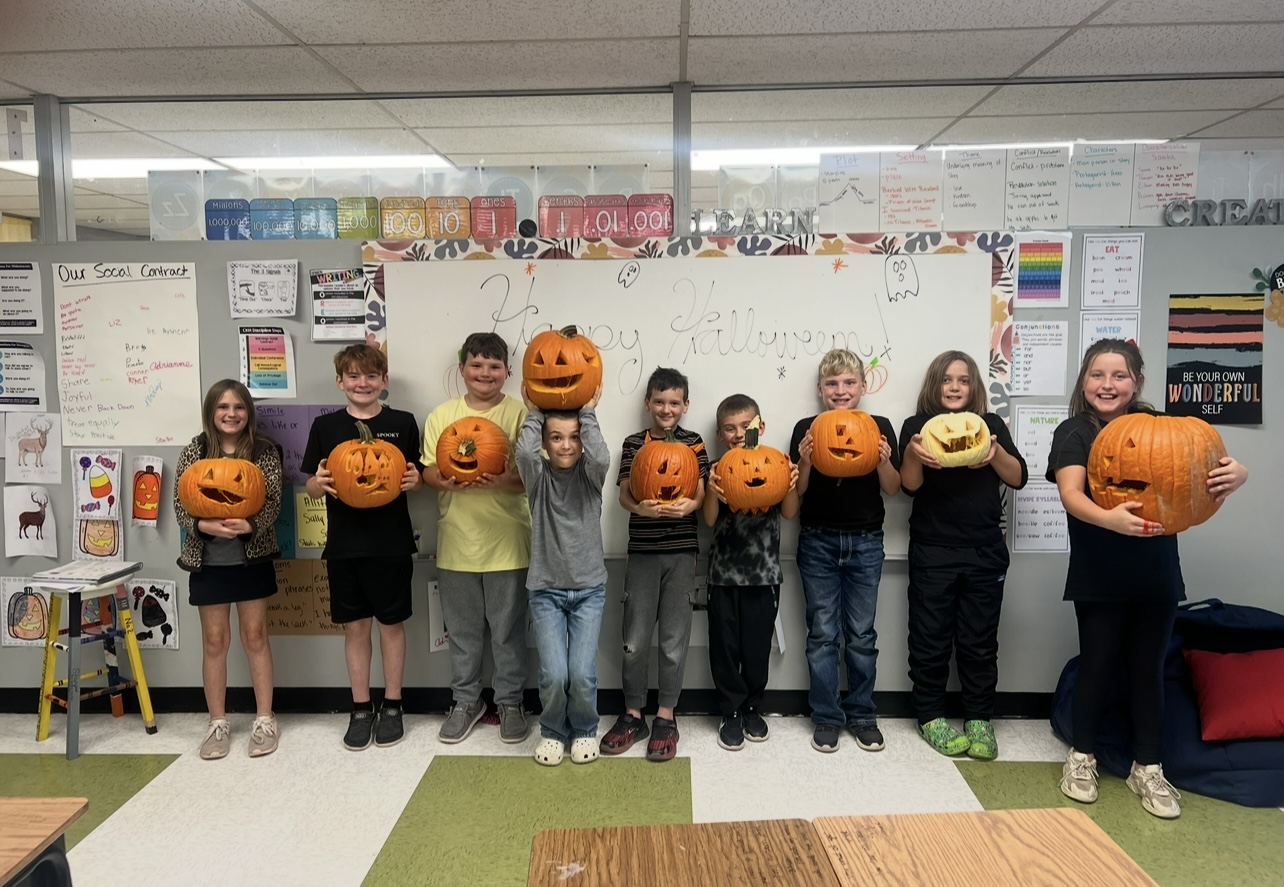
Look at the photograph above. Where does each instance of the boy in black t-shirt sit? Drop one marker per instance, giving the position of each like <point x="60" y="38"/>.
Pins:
<point x="369" y="552"/>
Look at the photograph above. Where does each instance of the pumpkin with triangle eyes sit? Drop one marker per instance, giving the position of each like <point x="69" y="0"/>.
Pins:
<point x="844" y="443"/>
<point x="957" y="440"/>
<point x="367" y="471"/>
<point x="753" y="477"/>
<point x="664" y="470"/>
<point x="470" y="447"/>
<point x="1161" y="462"/>
<point x="218" y="489"/>
<point x="561" y="369"/>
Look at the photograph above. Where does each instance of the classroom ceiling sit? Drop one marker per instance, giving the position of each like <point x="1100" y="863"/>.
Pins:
<point x="916" y="72"/>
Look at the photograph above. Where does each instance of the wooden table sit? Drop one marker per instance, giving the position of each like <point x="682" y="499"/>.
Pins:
<point x="31" y="836"/>
<point x="1059" y="846"/>
<point x="776" y="852"/>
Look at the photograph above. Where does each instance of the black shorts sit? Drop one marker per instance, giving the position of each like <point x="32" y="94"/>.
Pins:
<point x="365" y="587"/>
<point x="231" y="585"/>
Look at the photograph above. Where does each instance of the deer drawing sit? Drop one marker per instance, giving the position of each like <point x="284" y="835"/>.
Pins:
<point x="36" y="444"/>
<point x="35" y="519"/>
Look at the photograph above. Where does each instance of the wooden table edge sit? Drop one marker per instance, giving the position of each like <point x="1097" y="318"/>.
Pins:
<point x="82" y="806"/>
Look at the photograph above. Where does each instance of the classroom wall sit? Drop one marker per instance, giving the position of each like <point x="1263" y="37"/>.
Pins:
<point x="1230" y="557"/>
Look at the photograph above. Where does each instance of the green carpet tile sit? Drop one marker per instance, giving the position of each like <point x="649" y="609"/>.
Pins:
<point x="1213" y="843"/>
<point x="472" y="819"/>
<point x="108" y="781"/>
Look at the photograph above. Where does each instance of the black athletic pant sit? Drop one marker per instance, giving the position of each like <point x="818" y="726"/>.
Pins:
<point x="955" y="598"/>
<point x="741" y="622"/>
<point x="1118" y="642"/>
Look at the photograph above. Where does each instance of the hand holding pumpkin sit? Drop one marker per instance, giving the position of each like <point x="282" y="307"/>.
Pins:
<point x="325" y="480"/>
<point x="712" y="485"/>
<point x="920" y="452"/>
<point x="804" y="449"/>
<point x="1124" y="519"/>
<point x="989" y="456"/>
<point x="222" y="529"/>
<point x="1225" y="479"/>
<point x="410" y="479"/>
<point x="884" y="450"/>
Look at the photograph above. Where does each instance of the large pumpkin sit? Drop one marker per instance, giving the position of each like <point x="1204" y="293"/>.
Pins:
<point x="844" y="443"/>
<point x="754" y="477"/>
<point x="367" y="471"/>
<point x="1161" y="462"/>
<point x="664" y="470"/>
<point x="219" y="489"/>
<point x="956" y="439"/>
<point x="561" y="369"/>
<point x="471" y="447"/>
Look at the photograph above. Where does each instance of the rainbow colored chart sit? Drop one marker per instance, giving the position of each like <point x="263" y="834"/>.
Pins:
<point x="1039" y="270"/>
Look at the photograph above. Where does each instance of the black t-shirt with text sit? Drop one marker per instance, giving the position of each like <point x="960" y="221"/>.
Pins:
<point x="843" y="503"/>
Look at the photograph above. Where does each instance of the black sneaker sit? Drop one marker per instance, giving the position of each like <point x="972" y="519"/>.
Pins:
<point x="868" y="737"/>
<point x="731" y="734"/>
<point x="360" y="728"/>
<point x="626" y="731"/>
<point x="388" y="728"/>
<point x="825" y="738"/>
<point x="755" y="726"/>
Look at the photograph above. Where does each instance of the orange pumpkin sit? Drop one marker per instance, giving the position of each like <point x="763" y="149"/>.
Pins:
<point x="1161" y="462"/>
<point x="219" y="489"/>
<point x="28" y="615"/>
<point x="844" y="443"/>
<point x="99" y="538"/>
<point x="146" y="494"/>
<point x="471" y="447"/>
<point x="664" y="470"/>
<point x="561" y="369"/>
<point x="367" y="471"/>
<point x="754" y="477"/>
<point x="957" y="440"/>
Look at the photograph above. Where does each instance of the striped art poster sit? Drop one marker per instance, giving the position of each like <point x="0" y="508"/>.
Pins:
<point x="1215" y="358"/>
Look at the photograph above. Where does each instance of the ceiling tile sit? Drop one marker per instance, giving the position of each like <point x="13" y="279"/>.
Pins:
<point x="1177" y="11"/>
<point x="231" y="116"/>
<point x="85" y="118"/>
<point x="526" y="110"/>
<point x="1279" y="103"/>
<point x="1193" y="49"/>
<point x="1049" y="128"/>
<point x="1079" y="98"/>
<point x="12" y="90"/>
<point x="1249" y="125"/>
<point x="825" y="133"/>
<point x="835" y="104"/>
<point x="542" y="65"/>
<point x="731" y="17"/>
<point x="863" y="57"/>
<point x="92" y="200"/>
<point x="294" y="143"/>
<point x="577" y="139"/>
<point x="451" y="21"/>
<point x="116" y="24"/>
<point x="121" y="144"/>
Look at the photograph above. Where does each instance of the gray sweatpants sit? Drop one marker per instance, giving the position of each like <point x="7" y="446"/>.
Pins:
<point x="657" y="587"/>
<point x="468" y="602"/>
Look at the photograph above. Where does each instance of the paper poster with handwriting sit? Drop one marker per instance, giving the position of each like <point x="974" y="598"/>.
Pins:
<point x="910" y="191"/>
<point x="33" y="448"/>
<point x="310" y="521"/>
<point x="1038" y="188"/>
<point x="155" y="606"/>
<point x="288" y="424"/>
<point x="974" y="181"/>
<point x="301" y="605"/>
<point x="1163" y="173"/>
<point x="285" y="526"/>
<point x="848" y="193"/>
<point x="265" y="288"/>
<point x="29" y="525"/>
<point x="95" y="484"/>
<point x="1101" y="185"/>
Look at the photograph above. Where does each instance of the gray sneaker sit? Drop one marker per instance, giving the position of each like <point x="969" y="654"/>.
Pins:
<point x="512" y="724"/>
<point x="218" y="740"/>
<point x="461" y="722"/>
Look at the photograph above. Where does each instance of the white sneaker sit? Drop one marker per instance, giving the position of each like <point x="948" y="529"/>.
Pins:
<point x="584" y="750"/>
<point x="550" y="752"/>
<point x="217" y="741"/>
<point x="1157" y="794"/>
<point x="1079" y="778"/>
<point x="264" y="736"/>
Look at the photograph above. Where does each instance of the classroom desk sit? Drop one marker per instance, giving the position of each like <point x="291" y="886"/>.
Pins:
<point x="31" y="837"/>
<point x="779" y="852"/>
<point x="1022" y="848"/>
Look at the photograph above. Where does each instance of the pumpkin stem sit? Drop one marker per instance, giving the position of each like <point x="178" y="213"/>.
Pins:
<point x="363" y="430"/>
<point x="569" y="332"/>
<point x="670" y="437"/>
<point x="751" y="433"/>
<point x="467" y="447"/>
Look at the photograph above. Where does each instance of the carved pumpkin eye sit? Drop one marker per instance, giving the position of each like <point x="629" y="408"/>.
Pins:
<point x="561" y="359"/>
<point x="209" y="476"/>
<point x="1130" y="443"/>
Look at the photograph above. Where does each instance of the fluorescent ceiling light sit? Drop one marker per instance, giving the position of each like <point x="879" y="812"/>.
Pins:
<point x="369" y="161"/>
<point x="712" y="160"/>
<point x="115" y="167"/>
<point x="1012" y="146"/>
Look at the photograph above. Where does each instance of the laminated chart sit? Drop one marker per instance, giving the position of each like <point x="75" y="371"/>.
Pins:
<point x="1041" y="278"/>
<point x="267" y="361"/>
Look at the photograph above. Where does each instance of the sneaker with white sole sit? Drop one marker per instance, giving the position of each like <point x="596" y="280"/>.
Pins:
<point x="218" y="740"/>
<point x="1158" y="796"/>
<point x="584" y="750"/>
<point x="513" y="727"/>
<point x="550" y="751"/>
<point x="360" y="729"/>
<point x="264" y="736"/>
<point x="1079" y="777"/>
<point x="461" y="721"/>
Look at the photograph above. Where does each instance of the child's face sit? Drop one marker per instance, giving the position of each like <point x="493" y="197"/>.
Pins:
<point x="666" y="407"/>
<point x="732" y="428"/>
<point x="841" y="392"/>
<point x="362" y="388"/>
<point x="484" y="377"/>
<point x="1109" y="387"/>
<point x="562" y="441"/>
<point x="231" y="415"/>
<point x="956" y="387"/>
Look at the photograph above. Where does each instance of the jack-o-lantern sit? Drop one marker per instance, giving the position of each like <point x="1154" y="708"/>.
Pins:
<point x="147" y="489"/>
<point x="664" y="470"/>
<point x="561" y="369"/>
<point x="1161" y="462"/>
<point x="99" y="538"/>
<point x="220" y="489"/>
<point x="844" y="443"/>
<point x="471" y="447"/>
<point x="367" y="471"/>
<point x="754" y="477"/>
<point x="956" y="439"/>
<point x="28" y="615"/>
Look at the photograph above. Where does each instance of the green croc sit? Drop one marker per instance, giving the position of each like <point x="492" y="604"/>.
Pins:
<point x="944" y="738"/>
<point x="984" y="747"/>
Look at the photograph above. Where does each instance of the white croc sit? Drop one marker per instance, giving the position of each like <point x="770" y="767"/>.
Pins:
<point x="550" y="752"/>
<point x="584" y="750"/>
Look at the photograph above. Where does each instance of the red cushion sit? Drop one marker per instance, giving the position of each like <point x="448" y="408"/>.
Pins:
<point x="1241" y="695"/>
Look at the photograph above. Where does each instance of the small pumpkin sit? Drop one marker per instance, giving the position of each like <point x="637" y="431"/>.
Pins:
<point x="957" y="440"/>
<point x="753" y="478"/>
<point x="367" y="471"/>
<point x="561" y="369"/>
<point x="664" y="470"/>
<point x="146" y="494"/>
<point x="28" y="615"/>
<point x="844" y="443"/>
<point x="470" y="447"/>
<point x="1161" y="462"/>
<point x="219" y="489"/>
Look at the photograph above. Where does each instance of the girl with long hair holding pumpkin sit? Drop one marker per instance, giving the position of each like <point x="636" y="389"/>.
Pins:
<point x="231" y="469"/>
<point x="957" y="457"/>
<point x="1124" y="579"/>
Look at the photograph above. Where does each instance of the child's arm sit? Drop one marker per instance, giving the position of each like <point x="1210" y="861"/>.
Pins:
<point x="713" y="499"/>
<point x="646" y="508"/>
<point x="792" y="502"/>
<point x="529" y="462"/>
<point x="914" y="456"/>
<point x="801" y="456"/>
<point x="1071" y="480"/>
<point x="597" y="455"/>
<point x="889" y="478"/>
<point x="1004" y="458"/>
<point x="1225" y="479"/>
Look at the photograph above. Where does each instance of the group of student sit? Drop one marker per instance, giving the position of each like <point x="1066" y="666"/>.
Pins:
<point x="529" y="540"/>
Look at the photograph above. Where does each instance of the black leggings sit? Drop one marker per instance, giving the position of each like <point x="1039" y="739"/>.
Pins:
<point x="1134" y="636"/>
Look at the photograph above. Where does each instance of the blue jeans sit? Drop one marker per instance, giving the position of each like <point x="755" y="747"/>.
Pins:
<point x="567" y="623"/>
<point x="840" y="572"/>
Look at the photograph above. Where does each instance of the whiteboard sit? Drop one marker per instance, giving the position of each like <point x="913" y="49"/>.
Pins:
<point x="749" y="325"/>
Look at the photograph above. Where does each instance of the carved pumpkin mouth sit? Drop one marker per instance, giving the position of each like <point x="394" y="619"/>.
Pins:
<point x="961" y="443"/>
<point x="1138" y="486"/>
<point x="668" y="494"/>
<point x="555" y="384"/>
<point x="222" y="497"/>
<point x="840" y="453"/>
<point x="756" y="482"/>
<point x="463" y="464"/>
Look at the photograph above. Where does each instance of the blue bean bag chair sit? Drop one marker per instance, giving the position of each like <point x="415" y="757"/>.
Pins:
<point x="1244" y="771"/>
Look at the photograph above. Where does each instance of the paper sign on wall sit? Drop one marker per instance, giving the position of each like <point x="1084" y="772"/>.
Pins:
<point x="23" y="388"/>
<point x="154" y="605"/>
<point x="22" y="309"/>
<point x="146" y="491"/>
<point x="33" y="449"/>
<point x="301" y="605"/>
<point x="1040" y="523"/>
<point x="29" y="524"/>
<point x="95" y="479"/>
<point x="263" y="288"/>
<point x="267" y="361"/>
<point x="1098" y="325"/>
<point x="1033" y="433"/>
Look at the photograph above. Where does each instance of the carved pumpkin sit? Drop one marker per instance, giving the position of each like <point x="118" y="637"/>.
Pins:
<point x="561" y="369"/>
<point x="146" y="494"/>
<point x="99" y="538"/>
<point x="956" y="439"/>
<point x="754" y="477"/>
<point x="844" y="443"/>
<point x="28" y="615"/>
<point x="222" y="488"/>
<point x="664" y="470"/>
<point x="367" y="471"/>
<point x="471" y="447"/>
<point x="1161" y="462"/>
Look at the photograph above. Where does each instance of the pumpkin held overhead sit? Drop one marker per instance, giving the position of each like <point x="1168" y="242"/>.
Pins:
<point x="561" y="369"/>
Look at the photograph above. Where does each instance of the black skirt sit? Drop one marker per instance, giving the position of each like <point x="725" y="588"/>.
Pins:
<point x="231" y="585"/>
